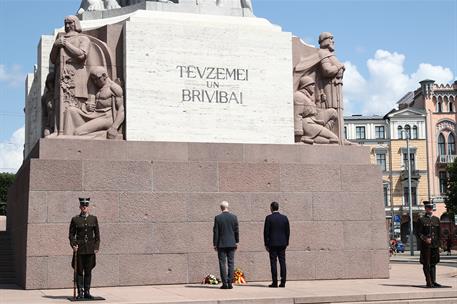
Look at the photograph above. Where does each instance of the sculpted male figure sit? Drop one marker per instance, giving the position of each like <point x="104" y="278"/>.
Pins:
<point x="105" y="113"/>
<point x="428" y="230"/>
<point x="84" y="236"/>
<point x="312" y="125"/>
<point x="225" y="242"/>
<point x="69" y="54"/>
<point x="48" y="105"/>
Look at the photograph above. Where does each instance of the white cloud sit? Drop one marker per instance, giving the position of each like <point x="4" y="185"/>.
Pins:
<point x="12" y="76"/>
<point x="386" y="83"/>
<point x="11" y="152"/>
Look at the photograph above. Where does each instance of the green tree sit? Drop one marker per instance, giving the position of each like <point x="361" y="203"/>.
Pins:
<point x="451" y="190"/>
<point x="6" y="180"/>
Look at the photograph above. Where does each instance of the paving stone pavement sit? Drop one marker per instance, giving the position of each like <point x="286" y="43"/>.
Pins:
<point x="403" y="286"/>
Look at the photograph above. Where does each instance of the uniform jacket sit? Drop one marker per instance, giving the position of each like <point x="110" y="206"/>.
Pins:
<point x="85" y="233"/>
<point x="429" y="226"/>
<point x="276" y="230"/>
<point x="225" y="230"/>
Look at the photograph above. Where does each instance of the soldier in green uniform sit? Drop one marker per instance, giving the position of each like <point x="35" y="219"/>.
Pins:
<point x="428" y="230"/>
<point x="84" y="238"/>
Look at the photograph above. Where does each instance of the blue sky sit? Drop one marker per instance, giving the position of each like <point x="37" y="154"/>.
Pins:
<point x="387" y="46"/>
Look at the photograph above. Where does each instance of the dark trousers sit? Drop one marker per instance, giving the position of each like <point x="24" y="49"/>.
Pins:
<point x="226" y="258"/>
<point x="278" y="253"/>
<point x="83" y="274"/>
<point x="429" y="258"/>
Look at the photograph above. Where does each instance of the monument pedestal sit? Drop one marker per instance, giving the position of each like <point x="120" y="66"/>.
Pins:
<point x="156" y="203"/>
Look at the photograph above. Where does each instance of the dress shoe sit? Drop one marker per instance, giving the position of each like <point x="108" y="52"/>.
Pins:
<point x="87" y="295"/>
<point x="437" y="285"/>
<point x="229" y="286"/>
<point x="273" y="285"/>
<point x="282" y="285"/>
<point x="224" y="286"/>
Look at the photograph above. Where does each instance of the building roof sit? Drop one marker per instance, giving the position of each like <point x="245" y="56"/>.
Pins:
<point x="407" y="99"/>
<point x="363" y="117"/>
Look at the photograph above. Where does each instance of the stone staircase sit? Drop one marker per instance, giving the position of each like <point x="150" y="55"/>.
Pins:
<point x="7" y="274"/>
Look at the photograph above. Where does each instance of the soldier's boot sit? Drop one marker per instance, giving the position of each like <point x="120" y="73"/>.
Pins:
<point x="79" y="285"/>
<point x="87" y="281"/>
<point x="433" y="276"/>
<point x="428" y="277"/>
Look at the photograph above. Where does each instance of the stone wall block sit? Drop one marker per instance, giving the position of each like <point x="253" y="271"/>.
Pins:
<point x="305" y="178"/>
<point x="335" y="155"/>
<point x="330" y="264"/>
<point x="215" y="152"/>
<point x="301" y="265"/>
<point x="37" y="207"/>
<point x="63" y="205"/>
<point x="153" y="269"/>
<point x="37" y="273"/>
<point x="358" y="264"/>
<point x="271" y="154"/>
<point x="48" y="240"/>
<point x="380" y="264"/>
<point x="248" y="177"/>
<point x="60" y="272"/>
<point x="82" y="149"/>
<point x="361" y="178"/>
<point x="157" y="151"/>
<point x="251" y="236"/>
<point x="296" y="206"/>
<point x="203" y="207"/>
<point x="114" y="175"/>
<point x="59" y="175"/>
<point x="379" y="235"/>
<point x="339" y="206"/>
<point x="152" y="207"/>
<point x="127" y="238"/>
<point x="183" y="237"/>
<point x="201" y="264"/>
<point x="357" y="235"/>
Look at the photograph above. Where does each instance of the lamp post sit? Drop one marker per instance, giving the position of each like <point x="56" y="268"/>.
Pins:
<point x="410" y="200"/>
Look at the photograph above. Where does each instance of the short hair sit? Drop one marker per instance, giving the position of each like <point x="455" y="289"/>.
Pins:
<point x="274" y="206"/>
<point x="224" y="205"/>
<point x="74" y="19"/>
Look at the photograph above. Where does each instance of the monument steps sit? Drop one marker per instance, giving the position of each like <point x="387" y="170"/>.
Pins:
<point x="7" y="273"/>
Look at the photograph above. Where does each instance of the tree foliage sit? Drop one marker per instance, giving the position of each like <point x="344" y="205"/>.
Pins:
<point x="6" y="180"/>
<point x="451" y="191"/>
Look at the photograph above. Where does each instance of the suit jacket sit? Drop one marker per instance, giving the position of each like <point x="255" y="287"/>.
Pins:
<point x="85" y="233"/>
<point x="276" y="230"/>
<point x="225" y="230"/>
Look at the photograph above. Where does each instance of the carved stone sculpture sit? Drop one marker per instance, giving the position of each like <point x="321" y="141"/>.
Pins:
<point x="69" y="54"/>
<point x="312" y="125"/>
<point x="97" y="5"/>
<point x="48" y="106"/>
<point x="323" y="66"/>
<point x="103" y="114"/>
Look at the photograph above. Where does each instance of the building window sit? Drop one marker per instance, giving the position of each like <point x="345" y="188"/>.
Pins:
<point x="400" y="132"/>
<point x="415" y="134"/>
<point x="345" y="133"/>
<point x="381" y="160"/>
<point x="451" y="144"/>
<point x="405" y="161"/>
<point x="408" y="131"/>
<point x="451" y="107"/>
<point x="380" y="133"/>
<point x="406" y="196"/>
<point x="443" y="182"/>
<point x="386" y="196"/>
<point x="441" y="145"/>
<point x="359" y="132"/>
<point x="439" y="107"/>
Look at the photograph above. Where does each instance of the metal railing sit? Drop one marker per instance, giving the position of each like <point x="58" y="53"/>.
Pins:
<point x="446" y="159"/>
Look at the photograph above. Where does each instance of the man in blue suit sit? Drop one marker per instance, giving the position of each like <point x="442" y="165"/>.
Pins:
<point x="276" y="234"/>
<point x="225" y="242"/>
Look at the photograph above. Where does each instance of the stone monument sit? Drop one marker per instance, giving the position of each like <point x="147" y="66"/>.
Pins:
<point x="160" y="110"/>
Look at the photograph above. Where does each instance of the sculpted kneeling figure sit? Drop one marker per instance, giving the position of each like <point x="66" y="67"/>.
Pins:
<point x="312" y="124"/>
<point x="105" y="113"/>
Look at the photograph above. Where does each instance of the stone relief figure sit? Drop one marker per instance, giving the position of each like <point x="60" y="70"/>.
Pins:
<point x="48" y="106"/>
<point x="69" y="54"/>
<point x="312" y="124"/>
<point x="244" y="3"/>
<point x="97" y="5"/>
<point x="322" y="65"/>
<point x="103" y="114"/>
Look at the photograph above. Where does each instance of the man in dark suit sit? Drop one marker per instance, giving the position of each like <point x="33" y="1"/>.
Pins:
<point x="225" y="242"/>
<point x="84" y="236"/>
<point x="276" y="234"/>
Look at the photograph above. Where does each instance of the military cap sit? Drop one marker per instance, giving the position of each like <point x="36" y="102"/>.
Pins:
<point x="84" y="201"/>
<point x="427" y="204"/>
<point x="325" y="35"/>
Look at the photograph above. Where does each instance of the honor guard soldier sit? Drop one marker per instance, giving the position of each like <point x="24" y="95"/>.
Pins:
<point x="84" y="238"/>
<point x="428" y="230"/>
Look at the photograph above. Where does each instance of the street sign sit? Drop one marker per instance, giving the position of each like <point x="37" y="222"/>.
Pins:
<point x="397" y="218"/>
